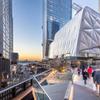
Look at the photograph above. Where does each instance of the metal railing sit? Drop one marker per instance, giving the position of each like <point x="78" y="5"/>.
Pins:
<point x="10" y="92"/>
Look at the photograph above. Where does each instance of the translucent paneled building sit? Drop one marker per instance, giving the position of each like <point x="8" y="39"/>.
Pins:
<point x="80" y="37"/>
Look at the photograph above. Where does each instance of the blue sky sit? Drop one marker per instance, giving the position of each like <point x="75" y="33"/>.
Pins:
<point x="27" y="22"/>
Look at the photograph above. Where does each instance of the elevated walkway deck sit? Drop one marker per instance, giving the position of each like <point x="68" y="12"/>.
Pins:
<point x="56" y="91"/>
<point x="82" y="91"/>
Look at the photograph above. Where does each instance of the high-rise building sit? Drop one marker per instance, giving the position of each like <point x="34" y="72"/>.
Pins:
<point x="55" y="14"/>
<point x="6" y="28"/>
<point x="6" y="35"/>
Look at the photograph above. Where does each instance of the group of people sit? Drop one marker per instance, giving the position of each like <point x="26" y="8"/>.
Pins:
<point x="89" y="72"/>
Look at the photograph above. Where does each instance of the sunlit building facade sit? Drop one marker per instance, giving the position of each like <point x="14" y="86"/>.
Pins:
<point x="6" y="28"/>
<point x="6" y="36"/>
<point x="55" y="14"/>
<point x="80" y="37"/>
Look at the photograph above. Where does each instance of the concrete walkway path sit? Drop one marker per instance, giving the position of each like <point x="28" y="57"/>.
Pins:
<point x="84" y="92"/>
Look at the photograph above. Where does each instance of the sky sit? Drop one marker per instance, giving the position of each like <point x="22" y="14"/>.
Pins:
<point x="27" y="22"/>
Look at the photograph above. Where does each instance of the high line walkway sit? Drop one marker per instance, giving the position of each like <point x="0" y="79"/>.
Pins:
<point x="82" y="91"/>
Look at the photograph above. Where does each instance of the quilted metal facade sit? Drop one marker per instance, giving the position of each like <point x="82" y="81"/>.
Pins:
<point x="79" y="37"/>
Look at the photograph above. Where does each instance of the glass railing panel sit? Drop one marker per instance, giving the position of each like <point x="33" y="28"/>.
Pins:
<point x="39" y="91"/>
<point x="42" y="75"/>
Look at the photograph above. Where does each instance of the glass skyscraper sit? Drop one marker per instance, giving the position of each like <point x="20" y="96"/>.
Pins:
<point x="55" y="14"/>
<point x="6" y="28"/>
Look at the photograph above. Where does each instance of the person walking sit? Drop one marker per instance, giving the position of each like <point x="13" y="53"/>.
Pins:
<point x="79" y="71"/>
<point x="93" y="73"/>
<point x="70" y="75"/>
<point x="85" y="76"/>
<point x="90" y="70"/>
<point x="97" y="80"/>
<point x="83" y="68"/>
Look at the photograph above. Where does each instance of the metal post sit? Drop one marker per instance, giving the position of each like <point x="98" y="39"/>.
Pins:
<point x="24" y="86"/>
<point x="13" y="92"/>
<point x="31" y="82"/>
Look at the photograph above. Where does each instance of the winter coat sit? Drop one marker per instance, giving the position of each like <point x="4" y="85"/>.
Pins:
<point x="90" y="70"/>
<point x="85" y="75"/>
<point x="97" y="77"/>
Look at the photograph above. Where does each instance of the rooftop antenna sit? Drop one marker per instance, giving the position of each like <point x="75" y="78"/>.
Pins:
<point x="76" y="7"/>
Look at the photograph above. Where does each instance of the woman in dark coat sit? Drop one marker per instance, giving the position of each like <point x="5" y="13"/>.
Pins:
<point x="85" y="76"/>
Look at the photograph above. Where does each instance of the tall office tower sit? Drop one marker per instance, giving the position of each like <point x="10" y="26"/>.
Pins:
<point x="6" y="34"/>
<point x="55" y="14"/>
<point x="6" y="28"/>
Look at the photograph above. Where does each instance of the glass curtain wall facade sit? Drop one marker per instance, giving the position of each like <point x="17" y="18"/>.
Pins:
<point x="6" y="28"/>
<point x="55" y="14"/>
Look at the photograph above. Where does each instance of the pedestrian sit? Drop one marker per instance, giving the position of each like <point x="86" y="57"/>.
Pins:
<point x="93" y="73"/>
<point x="78" y="71"/>
<point x="85" y="76"/>
<point x="70" y="75"/>
<point x="83" y="68"/>
<point x="97" y="80"/>
<point x="90" y="70"/>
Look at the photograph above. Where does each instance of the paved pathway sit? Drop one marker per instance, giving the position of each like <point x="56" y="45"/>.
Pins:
<point x="56" y="91"/>
<point x="79" y="81"/>
<point x="84" y="92"/>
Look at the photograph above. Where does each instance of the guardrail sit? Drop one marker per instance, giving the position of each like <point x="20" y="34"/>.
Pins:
<point x="10" y="92"/>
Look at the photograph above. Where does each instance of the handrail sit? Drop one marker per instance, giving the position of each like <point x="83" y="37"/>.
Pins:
<point x="42" y="73"/>
<point x="10" y="87"/>
<point x="17" y="84"/>
<point x="42" y="88"/>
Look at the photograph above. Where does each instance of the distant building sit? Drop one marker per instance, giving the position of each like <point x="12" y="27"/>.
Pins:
<point x="80" y="37"/>
<point x="6" y="34"/>
<point x="4" y="68"/>
<point x="55" y="14"/>
<point x="14" y="58"/>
